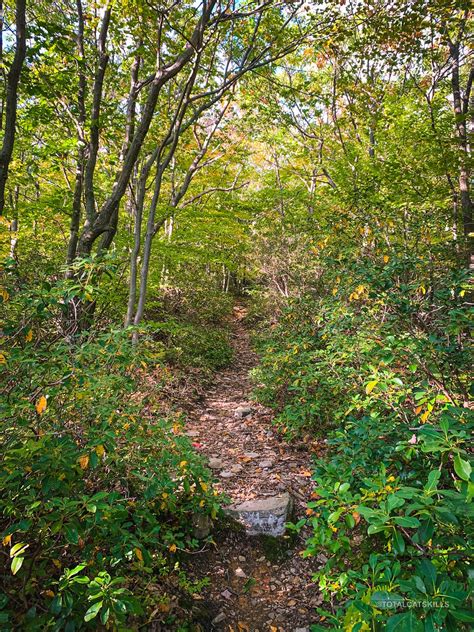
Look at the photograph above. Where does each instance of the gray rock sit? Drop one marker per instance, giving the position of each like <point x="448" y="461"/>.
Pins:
<point x="302" y="630"/>
<point x="226" y="474"/>
<point x="202" y="526"/>
<point x="242" y="411"/>
<point x="265" y="464"/>
<point x="226" y="594"/>
<point x="215" y="464"/>
<point x="265" y="516"/>
<point x="251" y="455"/>
<point x="219" y="619"/>
<point x="192" y="433"/>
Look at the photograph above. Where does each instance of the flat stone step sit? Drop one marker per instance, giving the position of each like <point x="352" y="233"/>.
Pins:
<point x="266" y="516"/>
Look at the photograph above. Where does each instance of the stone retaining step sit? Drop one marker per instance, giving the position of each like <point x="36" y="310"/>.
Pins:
<point x="267" y="516"/>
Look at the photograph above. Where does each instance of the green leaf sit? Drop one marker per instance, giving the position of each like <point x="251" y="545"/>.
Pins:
<point x="93" y="611"/>
<point x="407" y="521"/>
<point x="386" y="599"/>
<point x="16" y="564"/>
<point x="18" y="549"/>
<point x="398" y="543"/>
<point x="404" y="622"/>
<point x="433" y="478"/>
<point x="462" y="468"/>
<point x="394" y="501"/>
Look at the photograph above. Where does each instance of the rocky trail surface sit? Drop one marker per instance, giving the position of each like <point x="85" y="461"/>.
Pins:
<point x="257" y="583"/>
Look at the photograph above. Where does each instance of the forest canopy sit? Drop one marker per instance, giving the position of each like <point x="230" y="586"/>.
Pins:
<point x="166" y="165"/>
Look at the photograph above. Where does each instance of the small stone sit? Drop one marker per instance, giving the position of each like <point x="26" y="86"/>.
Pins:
<point x="226" y="474"/>
<point x="215" y="464"/>
<point x="302" y="630"/>
<point x="220" y="617"/>
<point x="242" y="411"/>
<point x="226" y="594"/>
<point x="236" y="468"/>
<point x="265" y="464"/>
<point x="241" y="558"/>
<point x="240" y="573"/>
<point x="192" y="433"/>
<point x="251" y="455"/>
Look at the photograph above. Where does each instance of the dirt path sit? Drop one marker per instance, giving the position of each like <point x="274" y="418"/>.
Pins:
<point x="257" y="584"/>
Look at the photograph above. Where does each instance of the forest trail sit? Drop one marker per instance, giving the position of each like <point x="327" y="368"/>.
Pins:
<point x="257" y="583"/>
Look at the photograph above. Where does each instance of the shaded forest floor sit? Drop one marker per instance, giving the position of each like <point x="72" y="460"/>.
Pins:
<point x="257" y="583"/>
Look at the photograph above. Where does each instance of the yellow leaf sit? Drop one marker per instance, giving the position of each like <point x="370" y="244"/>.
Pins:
<point x="425" y="416"/>
<point x="183" y="464"/>
<point x="57" y="563"/>
<point x="203" y="486"/>
<point x="41" y="405"/>
<point x="173" y="548"/>
<point x="3" y="359"/>
<point x="370" y="386"/>
<point x="29" y="336"/>
<point x="139" y="554"/>
<point x="4" y="294"/>
<point x="84" y="461"/>
<point x="386" y="258"/>
<point x="6" y="540"/>
<point x="100" y="450"/>
<point x="202" y="503"/>
<point x="49" y="593"/>
<point x="334" y="291"/>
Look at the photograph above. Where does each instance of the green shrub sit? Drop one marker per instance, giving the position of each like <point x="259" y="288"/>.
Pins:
<point x="378" y="364"/>
<point x="98" y="491"/>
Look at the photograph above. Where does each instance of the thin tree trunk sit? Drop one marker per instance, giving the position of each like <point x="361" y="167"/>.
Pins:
<point x="12" y="98"/>
<point x="79" y="180"/>
<point x="461" y="111"/>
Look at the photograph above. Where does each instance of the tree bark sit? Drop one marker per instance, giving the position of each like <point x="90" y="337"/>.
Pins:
<point x="462" y="105"/>
<point x="13" y="79"/>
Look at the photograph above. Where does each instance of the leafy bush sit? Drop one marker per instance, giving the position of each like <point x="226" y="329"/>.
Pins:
<point x="189" y="344"/>
<point x="98" y="491"/>
<point x="379" y="365"/>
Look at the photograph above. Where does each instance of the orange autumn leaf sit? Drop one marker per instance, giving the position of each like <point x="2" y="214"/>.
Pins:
<point x="84" y="461"/>
<point x="41" y="405"/>
<point x="139" y="554"/>
<point x="173" y="548"/>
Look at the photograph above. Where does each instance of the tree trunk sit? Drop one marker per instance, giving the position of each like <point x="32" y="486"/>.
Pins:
<point x="12" y="98"/>
<point x="462" y="105"/>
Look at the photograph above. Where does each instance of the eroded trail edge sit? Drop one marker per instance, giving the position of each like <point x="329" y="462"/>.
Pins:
<point x="257" y="582"/>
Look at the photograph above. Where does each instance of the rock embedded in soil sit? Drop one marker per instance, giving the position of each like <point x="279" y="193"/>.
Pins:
<point x="219" y="619"/>
<point x="215" y="464"/>
<point x="243" y="411"/>
<point x="266" y="516"/>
